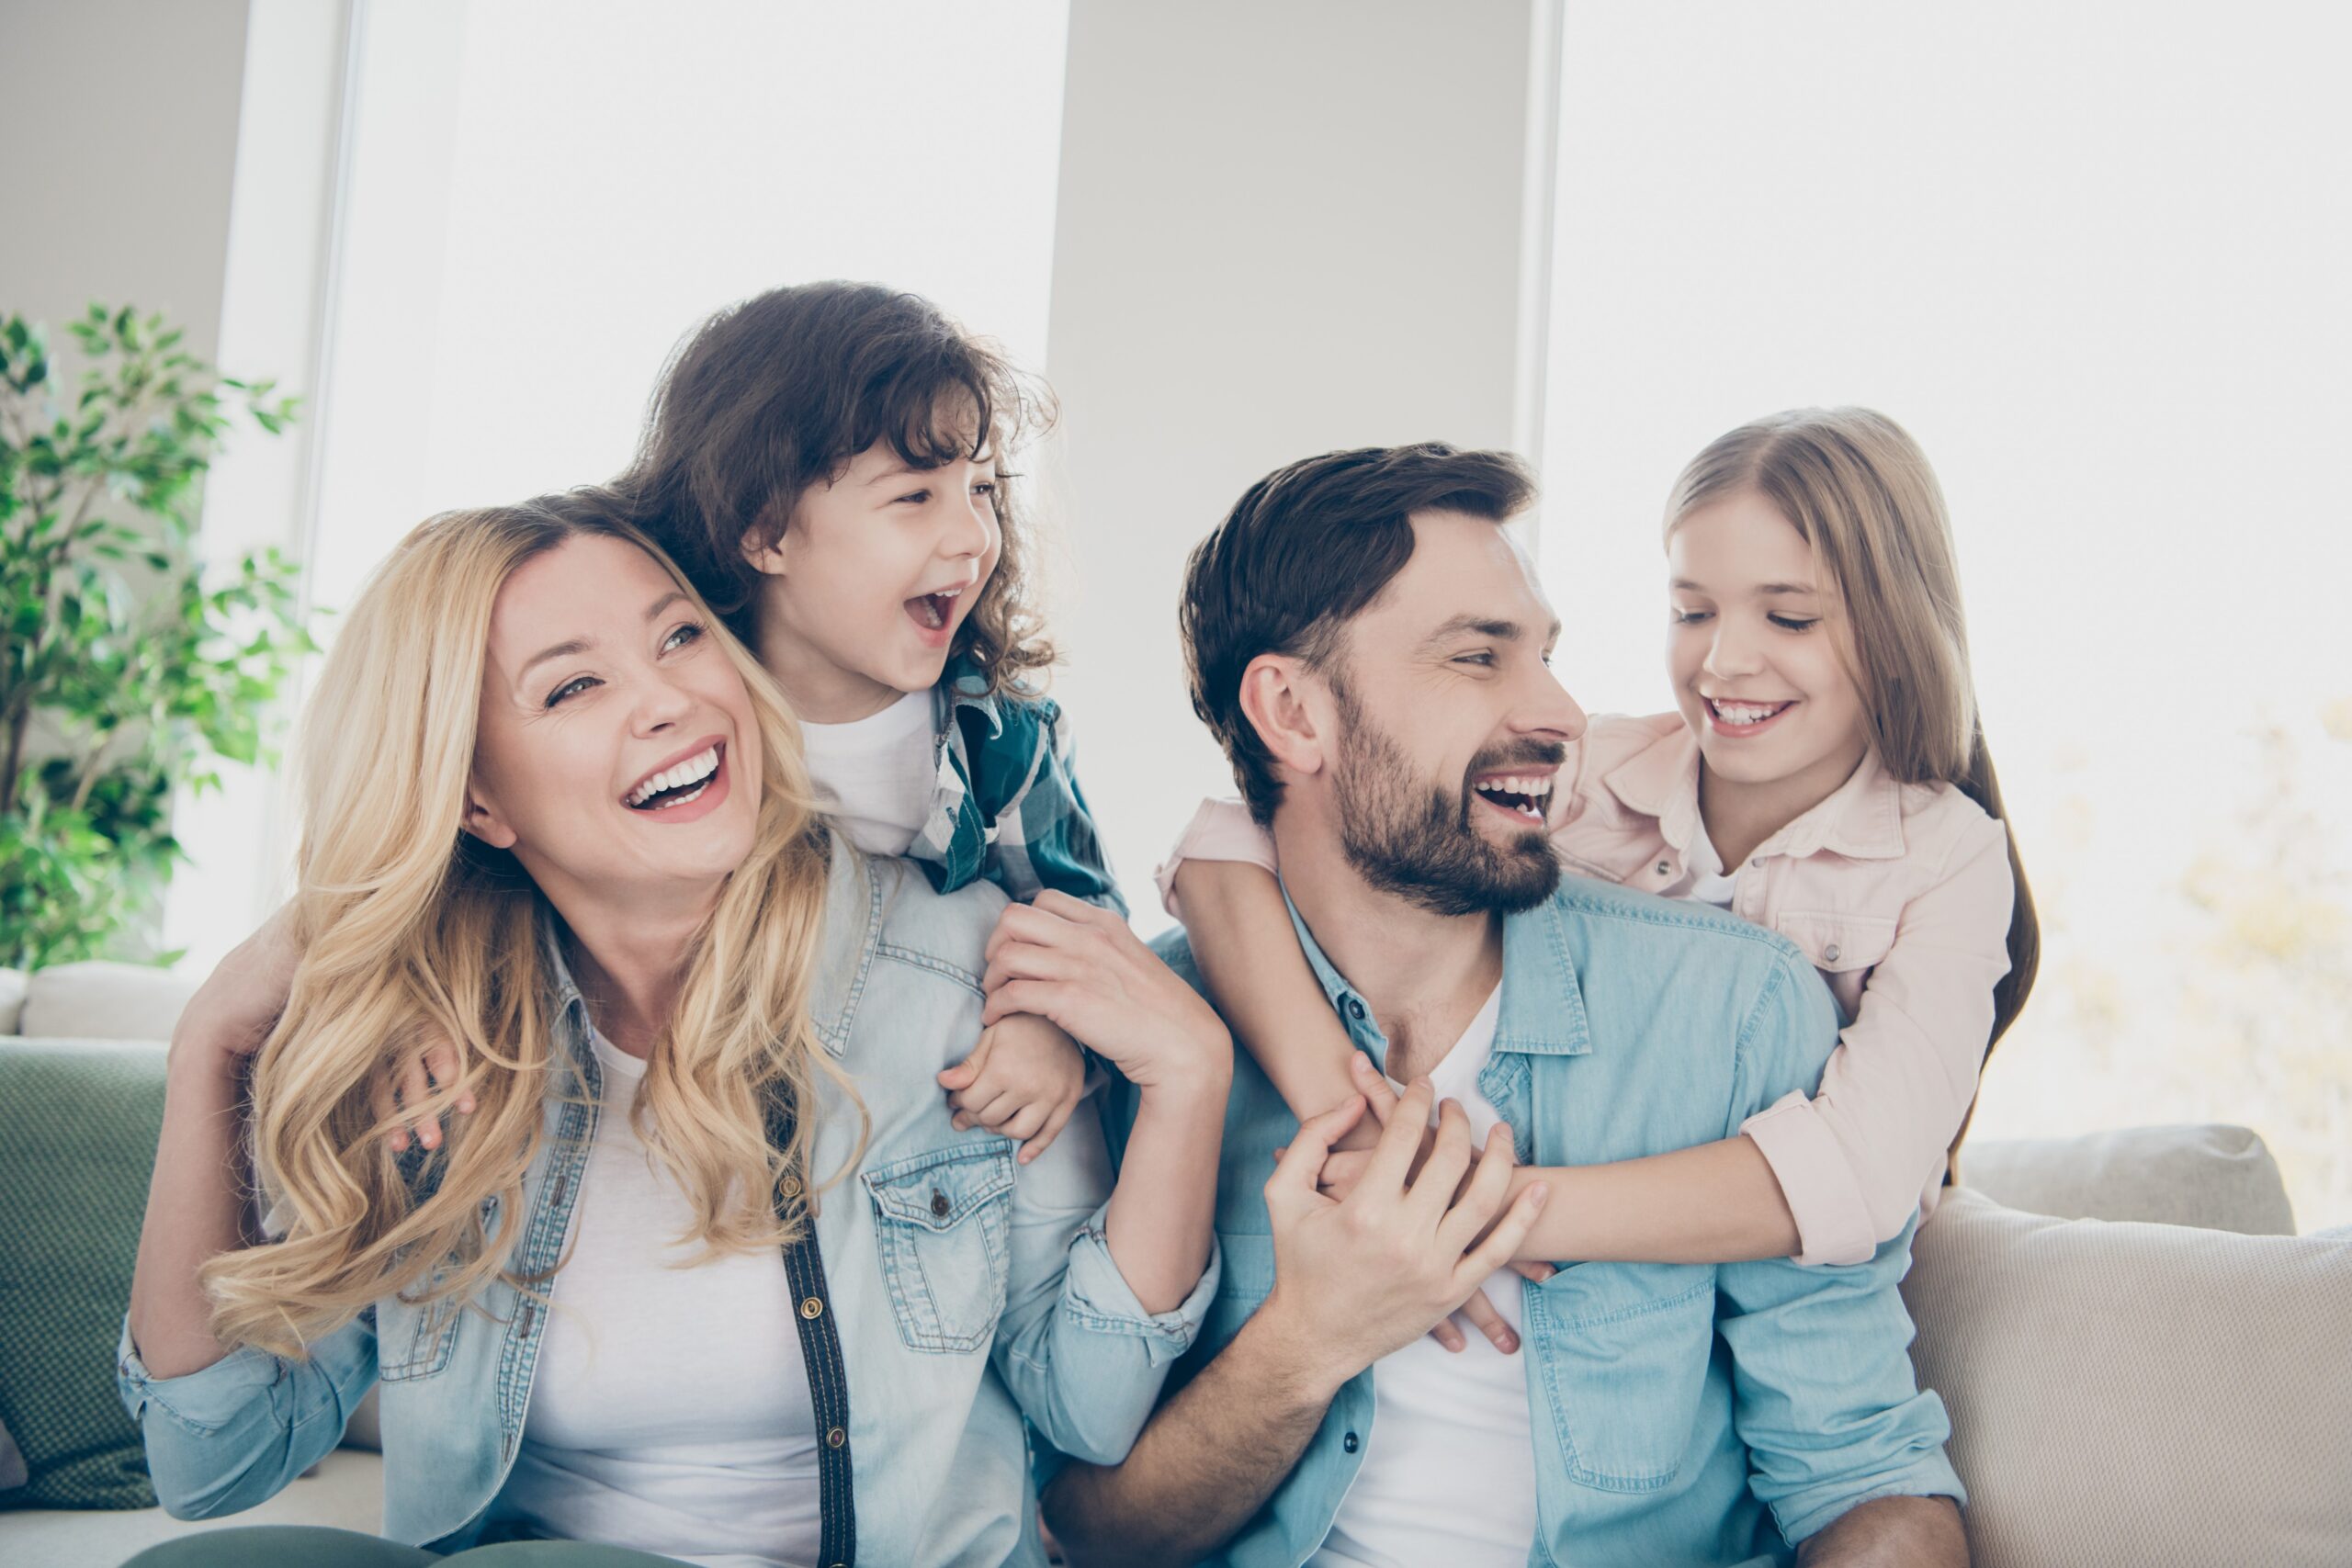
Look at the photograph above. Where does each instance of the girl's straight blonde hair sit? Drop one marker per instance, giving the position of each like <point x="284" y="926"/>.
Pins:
<point x="1855" y="484"/>
<point x="411" y="929"/>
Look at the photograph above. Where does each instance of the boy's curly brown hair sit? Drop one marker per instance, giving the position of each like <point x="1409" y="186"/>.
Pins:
<point x="784" y="390"/>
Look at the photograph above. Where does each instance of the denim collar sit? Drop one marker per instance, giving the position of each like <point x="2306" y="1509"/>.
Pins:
<point x="1542" y="1005"/>
<point x="962" y="685"/>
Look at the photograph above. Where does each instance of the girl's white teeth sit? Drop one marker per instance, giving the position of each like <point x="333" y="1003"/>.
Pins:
<point x="1742" y="715"/>
<point x="685" y="773"/>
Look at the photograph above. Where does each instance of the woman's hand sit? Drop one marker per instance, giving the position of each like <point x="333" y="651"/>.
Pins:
<point x="242" y="998"/>
<point x="1081" y="967"/>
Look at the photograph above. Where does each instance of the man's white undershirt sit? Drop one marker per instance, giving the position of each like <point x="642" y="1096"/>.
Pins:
<point x="877" y="774"/>
<point x="1449" y="1465"/>
<point x="671" y="1410"/>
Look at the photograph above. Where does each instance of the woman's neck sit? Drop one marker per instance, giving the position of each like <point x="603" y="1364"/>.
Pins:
<point x="629" y="968"/>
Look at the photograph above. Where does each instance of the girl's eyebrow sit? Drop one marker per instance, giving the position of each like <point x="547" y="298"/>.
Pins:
<point x="1762" y="589"/>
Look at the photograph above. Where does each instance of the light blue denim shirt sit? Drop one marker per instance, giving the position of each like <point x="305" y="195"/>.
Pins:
<point x="969" y="1292"/>
<point x="1681" y="1414"/>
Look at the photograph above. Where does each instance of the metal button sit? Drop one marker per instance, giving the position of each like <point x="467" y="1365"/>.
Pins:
<point x="1830" y="953"/>
<point x="835" y="1437"/>
<point x="1664" y="869"/>
<point x="1758" y="863"/>
<point x="938" y="1204"/>
<point x="813" y="1308"/>
<point x="1349" y="1443"/>
<point x="1356" y="1009"/>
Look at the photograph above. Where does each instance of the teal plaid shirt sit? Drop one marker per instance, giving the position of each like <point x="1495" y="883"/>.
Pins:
<point x="1005" y="803"/>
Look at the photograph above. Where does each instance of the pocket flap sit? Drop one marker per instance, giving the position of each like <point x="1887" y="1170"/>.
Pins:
<point x="939" y="1190"/>
<point x="1835" y="941"/>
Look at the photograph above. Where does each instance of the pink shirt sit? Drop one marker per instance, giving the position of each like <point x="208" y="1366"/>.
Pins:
<point x="1899" y="894"/>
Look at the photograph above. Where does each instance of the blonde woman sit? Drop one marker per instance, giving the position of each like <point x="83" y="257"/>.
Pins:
<point x="708" y="1274"/>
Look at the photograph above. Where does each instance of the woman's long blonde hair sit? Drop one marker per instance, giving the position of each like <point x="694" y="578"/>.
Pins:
<point x="1855" y="484"/>
<point x="411" y="929"/>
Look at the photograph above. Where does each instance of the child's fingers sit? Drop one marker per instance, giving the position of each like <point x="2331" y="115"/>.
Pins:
<point x="1488" y="1321"/>
<point x="1531" y="1269"/>
<point x="1052" y="1129"/>
<point x="1027" y="1121"/>
<point x="414" y="1089"/>
<point x="1450" y="1337"/>
<point x="993" y="1113"/>
<point x="966" y="1073"/>
<point x="380" y="1101"/>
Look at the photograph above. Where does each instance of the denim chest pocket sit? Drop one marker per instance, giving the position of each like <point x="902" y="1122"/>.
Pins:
<point x="941" y="1222"/>
<point x="414" y="1340"/>
<point x="1623" y="1350"/>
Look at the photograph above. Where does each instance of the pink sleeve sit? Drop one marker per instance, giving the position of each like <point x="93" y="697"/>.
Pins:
<point x="1854" y="1159"/>
<point x="1221" y="830"/>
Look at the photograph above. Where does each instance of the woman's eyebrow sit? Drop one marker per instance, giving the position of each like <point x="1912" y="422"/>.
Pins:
<point x="582" y="643"/>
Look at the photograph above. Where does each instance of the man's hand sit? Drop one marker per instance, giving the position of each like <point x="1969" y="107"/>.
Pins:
<point x="1081" y="967"/>
<point x="1346" y="1167"/>
<point x="1358" y="1277"/>
<point x="1022" y="1081"/>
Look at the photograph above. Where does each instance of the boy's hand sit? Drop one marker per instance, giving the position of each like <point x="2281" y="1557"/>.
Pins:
<point x="1022" y="1080"/>
<point x="396" y="1098"/>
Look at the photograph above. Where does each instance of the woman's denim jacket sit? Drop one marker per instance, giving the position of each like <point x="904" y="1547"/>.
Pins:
<point x="965" y="1293"/>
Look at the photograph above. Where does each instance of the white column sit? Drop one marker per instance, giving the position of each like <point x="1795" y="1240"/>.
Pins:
<point x="1282" y="229"/>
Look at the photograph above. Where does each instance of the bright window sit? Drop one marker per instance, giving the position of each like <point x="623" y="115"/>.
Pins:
<point x="2096" y="265"/>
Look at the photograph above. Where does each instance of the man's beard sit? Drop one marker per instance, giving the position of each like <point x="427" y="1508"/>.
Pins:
<point x="1418" y="844"/>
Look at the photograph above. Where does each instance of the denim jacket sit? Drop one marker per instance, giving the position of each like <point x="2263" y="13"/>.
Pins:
<point x="965" y="1293"/>
<point x="1684" y="1414"/>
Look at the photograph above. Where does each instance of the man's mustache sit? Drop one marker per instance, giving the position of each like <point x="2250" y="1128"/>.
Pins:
<point x="1548" y="755"/>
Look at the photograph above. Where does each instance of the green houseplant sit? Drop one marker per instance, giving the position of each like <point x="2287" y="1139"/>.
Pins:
<point x="129" y="671"/>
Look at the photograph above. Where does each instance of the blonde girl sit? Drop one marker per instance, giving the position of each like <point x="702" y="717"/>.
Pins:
<point x="1824" y="774"/>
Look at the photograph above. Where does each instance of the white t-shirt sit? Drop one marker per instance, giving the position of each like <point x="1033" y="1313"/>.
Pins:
<point x="1704" y="879"/>
<point x="1449" y="1465"/>
<point x="671" y="1410"/>
<point x="877" y="774"/>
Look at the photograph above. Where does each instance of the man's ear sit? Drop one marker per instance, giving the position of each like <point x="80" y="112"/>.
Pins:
<point x="483" y="821"/>
<point x="1282" y="702"/>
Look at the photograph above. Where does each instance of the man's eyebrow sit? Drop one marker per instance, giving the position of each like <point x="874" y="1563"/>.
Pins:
<point x="581" y="644"/>
<point x="1475" y="626"/>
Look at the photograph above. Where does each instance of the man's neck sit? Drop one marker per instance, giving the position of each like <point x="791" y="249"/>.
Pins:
<point x="1424" y="976"/>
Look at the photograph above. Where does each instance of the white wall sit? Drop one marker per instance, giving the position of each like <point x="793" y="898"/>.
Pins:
<point x="120" y="121"/>
<point x="1282" y="230"/>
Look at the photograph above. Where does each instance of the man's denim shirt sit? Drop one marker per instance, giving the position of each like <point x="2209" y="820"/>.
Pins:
<point x="1681" y="1414"/>
<point x="969" y="1292"/>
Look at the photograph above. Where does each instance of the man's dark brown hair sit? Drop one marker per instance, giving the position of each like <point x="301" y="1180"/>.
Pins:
<point x="782" y="393"/>
<point x="1303" y="552"/>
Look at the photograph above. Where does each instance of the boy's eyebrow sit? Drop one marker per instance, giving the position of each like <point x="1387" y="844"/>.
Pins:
<point x="582" y="644"/>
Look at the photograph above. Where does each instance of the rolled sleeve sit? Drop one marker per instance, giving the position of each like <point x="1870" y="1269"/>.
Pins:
<point x="1817" y="1179"/>
<point x="1221" y="830"/>
<point x="229" y="1436"/>
<point x="1097" y="1297"/>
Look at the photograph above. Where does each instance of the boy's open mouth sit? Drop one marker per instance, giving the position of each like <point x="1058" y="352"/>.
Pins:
<point x="931" y="611"/>
<point x="677" y="783"/>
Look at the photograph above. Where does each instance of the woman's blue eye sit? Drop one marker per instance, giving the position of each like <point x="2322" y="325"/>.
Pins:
<point x="580" y="684"/>
<point x="685" y="633"/>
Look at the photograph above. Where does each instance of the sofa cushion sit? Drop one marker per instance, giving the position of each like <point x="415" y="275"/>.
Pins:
<point x="2218" y="1177"/>
<point x="103" y="1001"/>
<point x="12" y="999"/>
<point x="2127" y="1393"/>
<point x="82" y="1117"/>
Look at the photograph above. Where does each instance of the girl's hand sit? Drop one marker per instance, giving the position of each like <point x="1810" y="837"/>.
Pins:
<point x="1081" y="967"/>
<point x="1022" y="1080"/>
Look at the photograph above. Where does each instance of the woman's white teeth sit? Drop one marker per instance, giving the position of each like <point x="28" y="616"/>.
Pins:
<point x="690" y="770"/>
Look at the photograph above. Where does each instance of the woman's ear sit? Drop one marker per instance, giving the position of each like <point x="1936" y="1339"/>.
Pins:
<point x="483" y="821"/>
<point x="1280" y="701"/>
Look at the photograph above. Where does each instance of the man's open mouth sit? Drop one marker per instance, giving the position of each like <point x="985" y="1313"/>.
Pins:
<point x="677" y="783"/>
<point x="1524" y="795"/>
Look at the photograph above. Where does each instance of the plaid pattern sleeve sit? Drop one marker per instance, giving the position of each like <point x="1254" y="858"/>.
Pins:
<point x="1006" y="803"/>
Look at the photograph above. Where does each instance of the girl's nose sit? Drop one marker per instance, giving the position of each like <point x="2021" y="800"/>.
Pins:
<point x="1731" y="654"/>
<point x="975" y="530"/>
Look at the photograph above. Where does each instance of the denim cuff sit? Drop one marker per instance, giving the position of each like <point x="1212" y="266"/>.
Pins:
<point x="1930" y="1476"/>
<point x="202" y="1401"/>
<point x="1096" y="1296"/>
